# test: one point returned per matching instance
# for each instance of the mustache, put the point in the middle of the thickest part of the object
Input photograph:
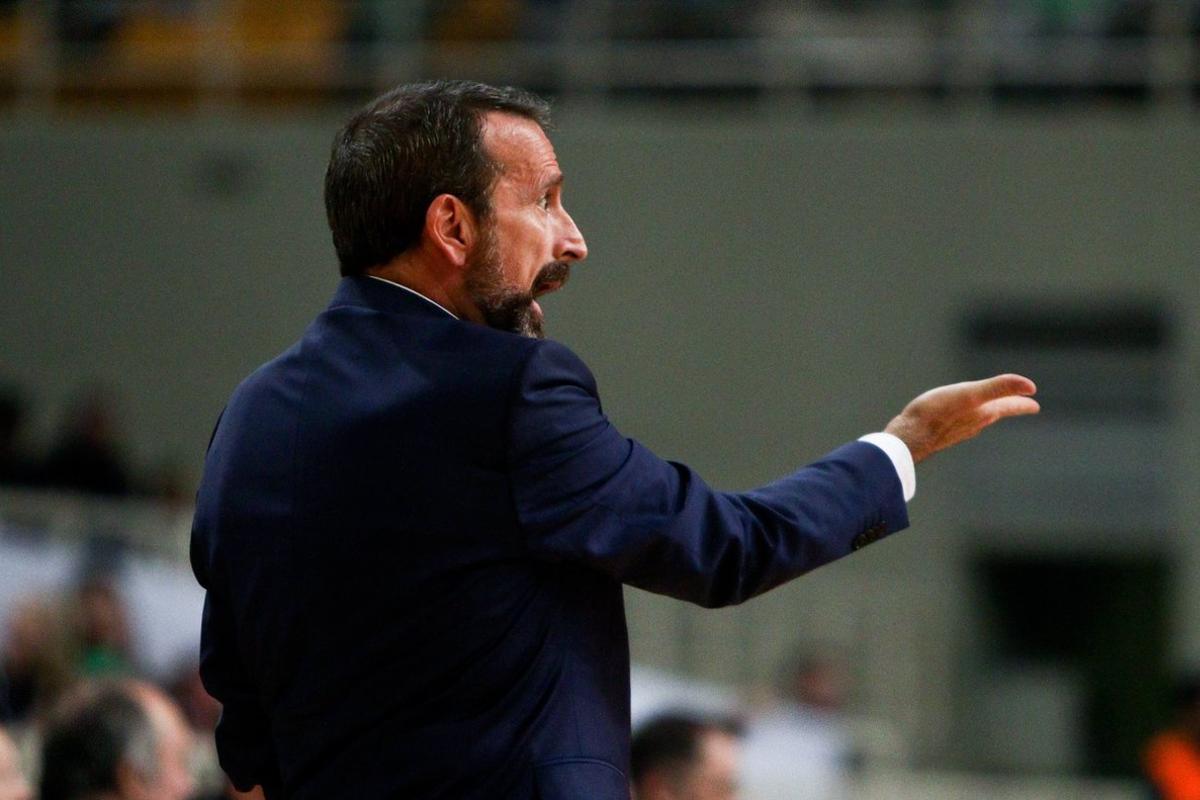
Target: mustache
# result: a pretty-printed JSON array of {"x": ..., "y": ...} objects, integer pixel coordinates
[{"x": 553, "y": 275}]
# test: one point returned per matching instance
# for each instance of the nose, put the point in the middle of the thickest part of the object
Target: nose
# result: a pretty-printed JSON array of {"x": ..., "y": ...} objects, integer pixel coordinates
[{"x": 571, "y": 246}]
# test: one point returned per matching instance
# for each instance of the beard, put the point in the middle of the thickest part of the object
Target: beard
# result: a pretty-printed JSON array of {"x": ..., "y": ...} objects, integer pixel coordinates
[{"x": 505, "y": 307}]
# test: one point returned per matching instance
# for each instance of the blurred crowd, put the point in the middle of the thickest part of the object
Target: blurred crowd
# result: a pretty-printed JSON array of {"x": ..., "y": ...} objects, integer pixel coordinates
[
  {"x": 808, "y": 744},
  {"x": 85, "y": 455},
  {"x": 83, "y": 715},
  {"x": 325, "y": 49},
  {"x": 98, "y": 21},
  {"x": 80, "y": 718},
  {"x": 803, "y": 738}
]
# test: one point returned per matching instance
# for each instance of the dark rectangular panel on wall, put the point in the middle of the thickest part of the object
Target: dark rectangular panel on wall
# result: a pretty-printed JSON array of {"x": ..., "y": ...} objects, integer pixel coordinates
[
  {"x": 1115, "y": 326},
  {"x": 1102, "y": 359},
  {"x": 1094, "y": 464},
  {"x": 1103, "y": 622}
]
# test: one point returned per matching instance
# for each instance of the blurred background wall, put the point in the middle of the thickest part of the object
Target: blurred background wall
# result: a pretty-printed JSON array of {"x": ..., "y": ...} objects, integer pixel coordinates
[{"x": 781, "y": 256}]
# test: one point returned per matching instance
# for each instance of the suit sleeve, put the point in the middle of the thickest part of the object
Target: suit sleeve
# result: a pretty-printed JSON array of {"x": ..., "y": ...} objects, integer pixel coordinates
[
  {"x": 244, "y": 742},
  {"x": 585, "y": 494}
]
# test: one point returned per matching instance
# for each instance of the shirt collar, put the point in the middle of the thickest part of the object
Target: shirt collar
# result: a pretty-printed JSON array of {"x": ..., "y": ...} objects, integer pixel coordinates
[{"x": 413, "y": 291}]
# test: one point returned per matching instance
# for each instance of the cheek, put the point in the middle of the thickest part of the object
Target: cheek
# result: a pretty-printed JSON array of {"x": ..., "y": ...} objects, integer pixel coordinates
[
  {"x": 524, "y": 246},
  {"x": 535, "y": 238}
]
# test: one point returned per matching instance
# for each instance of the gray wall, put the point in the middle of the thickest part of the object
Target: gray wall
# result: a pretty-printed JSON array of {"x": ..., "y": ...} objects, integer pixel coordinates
[{"x": 757, "y": 293}]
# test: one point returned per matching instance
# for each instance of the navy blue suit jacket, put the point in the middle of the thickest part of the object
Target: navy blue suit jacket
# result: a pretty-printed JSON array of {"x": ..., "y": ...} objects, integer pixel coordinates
[{"x": 413, "y": 532}]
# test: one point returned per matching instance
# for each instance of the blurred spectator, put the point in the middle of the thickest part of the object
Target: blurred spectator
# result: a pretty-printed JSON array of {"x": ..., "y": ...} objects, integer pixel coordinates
[
  {"x": 15, "y": 467},
  {"x": 36, "y": 666},
  {"x": 202, "y": 713},
  {"x": 198, "y": 706},
  {"x": 1172, "y": 758},
  {"x": 654, "y": 691},
  {"x": 684, "y": 757},
  {"x": 12, "y": 783},
  {"x": 802, "y": 749},
  {"x": 104, "y": 640},
  {"x": 86, "y": 457},
  {"x": 124, "y": 741}
]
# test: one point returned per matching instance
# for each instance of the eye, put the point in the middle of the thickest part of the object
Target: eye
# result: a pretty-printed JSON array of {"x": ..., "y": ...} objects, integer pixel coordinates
[{"x": 544, "y": 202}]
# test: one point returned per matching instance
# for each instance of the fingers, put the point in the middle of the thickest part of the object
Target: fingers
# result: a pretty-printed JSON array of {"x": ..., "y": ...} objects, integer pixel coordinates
[
  {"x": 1009, "y": 407},
  {"x": 1004, "y": 386}
]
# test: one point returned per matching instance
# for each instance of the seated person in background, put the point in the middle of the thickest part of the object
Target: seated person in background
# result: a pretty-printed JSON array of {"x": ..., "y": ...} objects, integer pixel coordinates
[
  {"x": 1172, "y": 759},
  {"x": 12, "y": 783},
  {"x": 802, "y": 748},
  {"x": 202, "y": 713},
  {"x": 35, "y": 666},
  {"x": 104, "y": 637},
  {"x": 118, "y": 741},
  {"x": 685, "y": 757},
  {"x": 87, "y": 457}
]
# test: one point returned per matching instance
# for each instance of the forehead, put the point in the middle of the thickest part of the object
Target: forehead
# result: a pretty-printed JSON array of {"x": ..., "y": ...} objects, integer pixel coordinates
[{"x": 519, "y": 146}]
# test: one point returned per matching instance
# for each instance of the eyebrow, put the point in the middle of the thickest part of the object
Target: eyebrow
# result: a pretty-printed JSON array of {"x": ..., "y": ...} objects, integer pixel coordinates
[{"x": 555, "y": 179}]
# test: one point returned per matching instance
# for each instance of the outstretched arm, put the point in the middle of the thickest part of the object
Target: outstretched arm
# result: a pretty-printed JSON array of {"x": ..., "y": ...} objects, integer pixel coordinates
[
  {"x": 584, "y": 493},
  {"x": 587, "y": 495}
]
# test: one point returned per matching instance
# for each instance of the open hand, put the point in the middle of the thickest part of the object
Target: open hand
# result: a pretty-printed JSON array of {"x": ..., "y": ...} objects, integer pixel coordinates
[{"x": 947, "y": 415}]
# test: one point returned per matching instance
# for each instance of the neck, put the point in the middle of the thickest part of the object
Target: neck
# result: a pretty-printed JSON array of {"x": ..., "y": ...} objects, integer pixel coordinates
[{"x": 444, "y": 288}]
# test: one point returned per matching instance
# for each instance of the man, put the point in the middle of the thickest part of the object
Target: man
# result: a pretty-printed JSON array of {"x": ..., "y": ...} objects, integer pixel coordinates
[
  {"x": 116, "y": 741},
  {"x": 414, "y": 525},
  {"x": 802, "y": 748},
  {"x": 683, "y": 757}
]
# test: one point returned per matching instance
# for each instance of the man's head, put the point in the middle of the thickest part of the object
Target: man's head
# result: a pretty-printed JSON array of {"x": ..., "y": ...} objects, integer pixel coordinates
[
  {"x": 454, "y": 189},
  {"x": 817, "y": 678},
  {"x": 683, "y": 757},
  {"x": 12, "y": 782},
  {"x": 103, "y": 619},
  {"x": 118, "y": 741}
]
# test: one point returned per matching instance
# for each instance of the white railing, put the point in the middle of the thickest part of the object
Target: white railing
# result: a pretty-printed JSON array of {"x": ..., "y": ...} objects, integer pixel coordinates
[{"x": 148, "y": 526}]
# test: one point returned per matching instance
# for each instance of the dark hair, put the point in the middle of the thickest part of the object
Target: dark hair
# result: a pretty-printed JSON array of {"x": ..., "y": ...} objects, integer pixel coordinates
[
  {"x": 404, "y": 149},
  {"x": 93, "y": 733},
  {"x": 672, "y": 740}
]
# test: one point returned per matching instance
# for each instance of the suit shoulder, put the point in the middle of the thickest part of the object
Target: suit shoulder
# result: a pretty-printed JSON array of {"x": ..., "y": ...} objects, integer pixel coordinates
[
  {"x": 510, "y": 358},
  {"x": 548, "y": 360}
]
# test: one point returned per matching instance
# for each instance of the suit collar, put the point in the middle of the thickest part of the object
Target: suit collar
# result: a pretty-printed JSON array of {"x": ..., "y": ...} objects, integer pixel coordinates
[{"x": 381, "y": 295}]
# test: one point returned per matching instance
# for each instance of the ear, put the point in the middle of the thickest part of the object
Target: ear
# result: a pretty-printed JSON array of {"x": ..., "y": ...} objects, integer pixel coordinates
[{"x": 451, "y": 229}]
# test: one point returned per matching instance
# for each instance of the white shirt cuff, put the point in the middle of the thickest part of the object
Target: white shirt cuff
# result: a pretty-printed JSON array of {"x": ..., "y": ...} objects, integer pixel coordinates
[{"x": 897, "y": 451}]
